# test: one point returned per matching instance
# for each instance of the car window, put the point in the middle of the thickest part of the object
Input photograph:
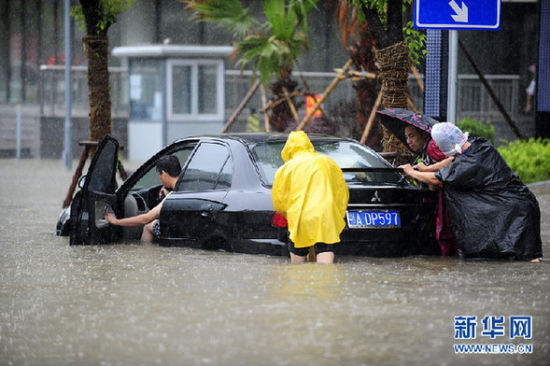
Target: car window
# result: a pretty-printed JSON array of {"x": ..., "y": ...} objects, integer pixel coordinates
[
  {"x": 100, "y": 179},
  {"x": 225, "y": 177},
  {"x": 151, "y": 178},
  {"x": 347, "y": 154},
  {"x": 209, "y": 169}
]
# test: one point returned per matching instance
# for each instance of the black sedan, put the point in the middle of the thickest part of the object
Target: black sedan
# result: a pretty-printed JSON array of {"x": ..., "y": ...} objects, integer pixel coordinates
[{"x": 222, "y": 199}]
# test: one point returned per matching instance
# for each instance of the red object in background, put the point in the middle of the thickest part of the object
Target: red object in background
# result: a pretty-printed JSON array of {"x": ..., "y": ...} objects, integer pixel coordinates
[
  {"x": 311, "y": 101},
  {"x": 279, "y": 220},
  {"x": 56, "y": 60}
]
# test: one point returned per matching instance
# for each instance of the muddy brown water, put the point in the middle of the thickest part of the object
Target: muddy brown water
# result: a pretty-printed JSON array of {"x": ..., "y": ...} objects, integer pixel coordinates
[{"x": 134, "y": 304}]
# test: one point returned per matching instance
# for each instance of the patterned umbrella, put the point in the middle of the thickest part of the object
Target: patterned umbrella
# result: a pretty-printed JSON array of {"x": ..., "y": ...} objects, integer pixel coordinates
[{"x": 396, "y": 119}]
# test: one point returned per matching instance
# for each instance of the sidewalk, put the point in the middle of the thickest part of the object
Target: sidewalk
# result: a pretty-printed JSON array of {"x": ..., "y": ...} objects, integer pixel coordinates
[{"x": 540, "y": 187}]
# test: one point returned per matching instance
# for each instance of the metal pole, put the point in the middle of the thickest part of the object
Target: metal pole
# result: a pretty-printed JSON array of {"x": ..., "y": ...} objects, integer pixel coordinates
[
  {"x": 67, "y": 153},
  {"x": 18, "y": 134},
  {"x": 163, "y": 113},
  {"x": 453, "y": 70}
]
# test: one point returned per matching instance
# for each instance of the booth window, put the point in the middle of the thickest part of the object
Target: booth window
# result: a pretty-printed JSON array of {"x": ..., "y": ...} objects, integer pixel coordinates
[
  {"x": 195, "y": 90},
  {"x": 145, "y": 90}
]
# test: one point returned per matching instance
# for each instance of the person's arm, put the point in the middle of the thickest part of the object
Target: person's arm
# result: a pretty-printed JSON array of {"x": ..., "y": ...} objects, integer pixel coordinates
[
  {"x": 138, "y": 220},
  {"x": 425, "y": 177},
  {"x": 434, "y": 167}
]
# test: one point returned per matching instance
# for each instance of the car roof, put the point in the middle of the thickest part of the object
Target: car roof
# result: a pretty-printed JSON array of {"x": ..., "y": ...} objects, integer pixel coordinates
[{"x": 253, "y": 138}]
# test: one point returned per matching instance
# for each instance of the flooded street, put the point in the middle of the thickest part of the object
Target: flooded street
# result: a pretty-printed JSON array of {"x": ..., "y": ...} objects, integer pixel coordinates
[{"x": 144, "y": 304}]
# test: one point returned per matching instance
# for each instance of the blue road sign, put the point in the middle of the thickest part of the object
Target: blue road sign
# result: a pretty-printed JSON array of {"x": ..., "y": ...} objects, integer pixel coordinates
[{"x": 457, "y": 14}]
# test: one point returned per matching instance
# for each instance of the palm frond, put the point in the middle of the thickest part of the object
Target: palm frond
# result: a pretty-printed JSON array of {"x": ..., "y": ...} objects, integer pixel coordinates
[
  {"x": 268, "y": 56},
  {"x": 227, "y": 14},
  {"x": 302, "y": 8},
  {"x": 281, "y": 21}
]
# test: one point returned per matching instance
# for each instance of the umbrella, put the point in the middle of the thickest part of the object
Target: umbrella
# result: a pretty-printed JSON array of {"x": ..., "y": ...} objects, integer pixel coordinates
[{"x": 396, "y": 119}]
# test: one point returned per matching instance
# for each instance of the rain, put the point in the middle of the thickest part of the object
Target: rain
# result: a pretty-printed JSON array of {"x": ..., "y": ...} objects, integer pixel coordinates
[{"x": 144, "y": 304}]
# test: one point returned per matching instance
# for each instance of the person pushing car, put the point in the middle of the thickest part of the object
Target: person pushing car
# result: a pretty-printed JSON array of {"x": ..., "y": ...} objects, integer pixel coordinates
[
  {"x": 492, "y": 213},
  {"x": 310, "y": 191}
]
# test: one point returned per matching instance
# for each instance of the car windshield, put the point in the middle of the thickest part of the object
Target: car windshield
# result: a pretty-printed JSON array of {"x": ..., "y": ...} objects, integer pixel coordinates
[{"x": 347, "y": 154}]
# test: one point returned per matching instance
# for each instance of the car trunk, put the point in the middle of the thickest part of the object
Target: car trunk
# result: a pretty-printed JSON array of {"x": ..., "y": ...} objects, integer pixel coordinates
[{"x": 412, "y": 234}]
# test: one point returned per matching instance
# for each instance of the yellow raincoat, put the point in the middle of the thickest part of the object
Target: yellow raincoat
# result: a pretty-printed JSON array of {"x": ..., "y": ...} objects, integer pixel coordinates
[{"x": 310, "y": 191}]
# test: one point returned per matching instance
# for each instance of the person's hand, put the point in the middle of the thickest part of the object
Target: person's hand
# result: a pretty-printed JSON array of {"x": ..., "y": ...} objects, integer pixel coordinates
[
  {"x": 111, "y": 218},
  {"x": 421, "y": 167},
  {"x": 163, "y": 192},
  {"x": 407, "y": 169}
]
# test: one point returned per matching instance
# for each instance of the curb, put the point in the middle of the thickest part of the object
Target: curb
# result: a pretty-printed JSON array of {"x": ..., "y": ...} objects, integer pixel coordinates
[{"x": 540, "y": 187}]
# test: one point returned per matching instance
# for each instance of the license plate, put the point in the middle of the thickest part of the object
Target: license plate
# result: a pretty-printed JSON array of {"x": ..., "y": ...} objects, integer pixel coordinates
[{"x": 385, "y": 219}]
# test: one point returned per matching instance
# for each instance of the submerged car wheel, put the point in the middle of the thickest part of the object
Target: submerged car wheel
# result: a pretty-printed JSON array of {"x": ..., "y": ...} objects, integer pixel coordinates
[{"x": 215, "y": 243}]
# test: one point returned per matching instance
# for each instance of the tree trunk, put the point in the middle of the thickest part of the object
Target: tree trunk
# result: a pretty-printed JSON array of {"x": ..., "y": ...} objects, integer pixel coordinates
[
  {"x": 281, "y": 115},
  {"x": 364, "y": 59},
  {"x": 393, "y": 61},
  {"x": 96, "y": 49}
]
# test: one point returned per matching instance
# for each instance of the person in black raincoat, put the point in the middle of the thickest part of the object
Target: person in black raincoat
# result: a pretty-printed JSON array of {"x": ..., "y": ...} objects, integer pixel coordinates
[{"x": 492, "y": 213}]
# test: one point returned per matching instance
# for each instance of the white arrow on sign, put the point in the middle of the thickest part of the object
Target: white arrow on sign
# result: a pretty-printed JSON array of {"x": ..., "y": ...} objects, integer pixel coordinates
[{"x": 461, "y": 13}]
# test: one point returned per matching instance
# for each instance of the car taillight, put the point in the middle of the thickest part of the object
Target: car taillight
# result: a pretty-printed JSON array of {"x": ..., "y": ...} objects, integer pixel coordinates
[{"x": 278, "y": 220}]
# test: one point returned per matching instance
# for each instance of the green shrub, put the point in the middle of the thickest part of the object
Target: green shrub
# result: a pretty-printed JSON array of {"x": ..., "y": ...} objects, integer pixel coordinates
[
  {"x": 529, "y": 159},
  {"x": 477, "y": 128}
]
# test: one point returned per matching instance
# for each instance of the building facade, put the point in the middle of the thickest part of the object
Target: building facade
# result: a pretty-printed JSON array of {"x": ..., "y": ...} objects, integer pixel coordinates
[{"x": 32, "y": 57}]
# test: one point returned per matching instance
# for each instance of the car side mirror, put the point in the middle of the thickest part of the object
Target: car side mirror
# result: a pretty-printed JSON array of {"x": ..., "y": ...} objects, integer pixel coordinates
[{"x": 81, "y": 182}]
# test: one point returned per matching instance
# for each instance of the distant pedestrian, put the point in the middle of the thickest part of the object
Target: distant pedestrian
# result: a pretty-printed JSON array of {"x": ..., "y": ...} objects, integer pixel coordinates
[
  {"x": 310, "y": 191},
  {"x": 530, "y": 91},
  {"x": 492, "y": 213}
]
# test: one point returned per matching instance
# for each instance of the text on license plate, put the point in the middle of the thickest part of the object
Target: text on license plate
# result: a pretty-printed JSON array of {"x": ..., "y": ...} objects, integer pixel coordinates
[{"x": 373, "y": 219}]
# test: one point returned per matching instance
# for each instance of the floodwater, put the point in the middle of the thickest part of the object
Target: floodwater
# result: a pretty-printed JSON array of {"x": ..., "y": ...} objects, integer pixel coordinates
[{"x": 136, "y": 304}]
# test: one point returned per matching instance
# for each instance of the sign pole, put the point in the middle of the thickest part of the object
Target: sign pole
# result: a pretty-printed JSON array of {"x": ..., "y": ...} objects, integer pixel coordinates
[
  {"x": 452, "y": 78},
  {"x": 67, "y": 140}
]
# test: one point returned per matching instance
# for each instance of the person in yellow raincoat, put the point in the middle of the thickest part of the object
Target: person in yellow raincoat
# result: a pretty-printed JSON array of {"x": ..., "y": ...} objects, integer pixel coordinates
[{"x": 310, "y": 191}]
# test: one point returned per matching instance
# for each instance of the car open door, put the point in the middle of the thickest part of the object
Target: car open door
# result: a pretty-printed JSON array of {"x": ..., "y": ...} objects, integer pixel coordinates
[{"x": 96, "y": 197}]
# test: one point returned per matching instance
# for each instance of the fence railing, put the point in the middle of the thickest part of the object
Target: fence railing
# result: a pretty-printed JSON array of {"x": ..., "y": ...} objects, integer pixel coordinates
[
  {"x": 52, "y": 90},
  {"x": 473, "y": 99}
]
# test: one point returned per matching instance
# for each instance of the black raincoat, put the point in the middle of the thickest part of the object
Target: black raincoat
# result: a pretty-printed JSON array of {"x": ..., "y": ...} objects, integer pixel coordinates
[{"x": 492, "y": 213}]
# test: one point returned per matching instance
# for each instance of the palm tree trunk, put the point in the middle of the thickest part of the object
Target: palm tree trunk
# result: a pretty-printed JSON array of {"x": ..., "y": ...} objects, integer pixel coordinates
[
  {"x": 394, "y": 66},
  {"x": 393, "y": 61},
  {"x": 281, "y": 117},
  {"x": 96, "y": 49},
  {"x": 364, "y": 59}
]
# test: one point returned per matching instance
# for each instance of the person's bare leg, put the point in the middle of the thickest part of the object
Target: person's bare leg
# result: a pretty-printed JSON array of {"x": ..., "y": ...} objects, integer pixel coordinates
[
  {"x": 296, "y": 258},
  {"x": 536, "y": 260},
  {"x": 147, "y": 234},
  {"x": 325, "y": 257}
]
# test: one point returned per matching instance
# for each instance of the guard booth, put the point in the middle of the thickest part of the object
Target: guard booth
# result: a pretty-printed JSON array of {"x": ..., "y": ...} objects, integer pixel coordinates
[{"x": 174, "y": 91}]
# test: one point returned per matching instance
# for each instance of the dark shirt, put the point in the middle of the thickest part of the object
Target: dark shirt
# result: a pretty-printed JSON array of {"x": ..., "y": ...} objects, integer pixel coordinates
[{"x": 492, "y": 213}]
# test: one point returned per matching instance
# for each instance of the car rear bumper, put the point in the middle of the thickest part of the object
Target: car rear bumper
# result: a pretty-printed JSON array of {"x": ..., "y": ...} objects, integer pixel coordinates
[{"x": 273, "y": 247}]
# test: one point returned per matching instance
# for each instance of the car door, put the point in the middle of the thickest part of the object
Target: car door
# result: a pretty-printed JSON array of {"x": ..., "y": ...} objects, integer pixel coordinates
[
  {"x": 96, "y": 197},
  {"x": 189, "y": 214}
]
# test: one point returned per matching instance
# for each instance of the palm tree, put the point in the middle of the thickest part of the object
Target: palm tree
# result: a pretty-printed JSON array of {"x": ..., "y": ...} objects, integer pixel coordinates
[
  {"x": 392, "y": 57},
  {"x": 271, "y": 47},
  {"x": 97, "y": 16},
  {"x": 361, "y": 52}
]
